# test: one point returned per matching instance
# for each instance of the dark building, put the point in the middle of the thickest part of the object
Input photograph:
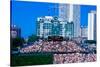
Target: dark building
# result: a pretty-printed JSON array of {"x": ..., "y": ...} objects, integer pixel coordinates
[{"x": 15, "y": 31}]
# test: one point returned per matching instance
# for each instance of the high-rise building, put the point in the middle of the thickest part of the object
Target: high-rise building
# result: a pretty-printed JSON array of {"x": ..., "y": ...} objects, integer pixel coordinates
[
  {"x": 92, "y": 25},
  {"x": 44, "y": 26},
  {"x": 84, "y": 31},
  {"x": 15, "y": 31},
  {"x": 63, "y": 11},
  {"x": 70, "y": 29},
  {"x": 54, "y": 26},
  {"x": 71, "y": 13}
]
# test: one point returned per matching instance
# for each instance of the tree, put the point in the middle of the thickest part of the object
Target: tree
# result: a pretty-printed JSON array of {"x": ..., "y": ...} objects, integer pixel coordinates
[
  {"x": 17, "y": 42},
  {"x": 90, "y": 41},
  {"x": 32, "y": 38}
]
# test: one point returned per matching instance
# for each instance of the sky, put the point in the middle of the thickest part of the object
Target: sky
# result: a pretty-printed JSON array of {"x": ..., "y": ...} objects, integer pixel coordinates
[{"x": 24, "y": 14}]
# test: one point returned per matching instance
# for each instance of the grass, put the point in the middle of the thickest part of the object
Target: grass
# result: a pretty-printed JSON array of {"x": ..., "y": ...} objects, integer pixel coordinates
[{"x": 33, "y": 59}]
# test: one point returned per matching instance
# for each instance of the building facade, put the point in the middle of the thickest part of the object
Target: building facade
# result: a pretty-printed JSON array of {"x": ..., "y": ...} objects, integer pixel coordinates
[
  {"x": 54, "y": 26},
  {"x": 71, "y": 13},
  {"x": 92, "y": 25},
  {"x": 15, "y": 31},
  {"x": 84, "y": 31}
]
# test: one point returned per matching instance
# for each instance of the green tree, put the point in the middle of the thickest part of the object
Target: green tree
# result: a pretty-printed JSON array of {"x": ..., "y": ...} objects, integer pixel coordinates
[
  {"x": 32, "y": 38},
  {"x": 90, "y": 41},
  {"x": 17, "y": 42}
]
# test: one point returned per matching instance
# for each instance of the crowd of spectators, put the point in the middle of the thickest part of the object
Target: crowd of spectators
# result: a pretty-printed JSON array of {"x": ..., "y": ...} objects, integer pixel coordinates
[
  {"x": 63, "y": 46},
  {"x": 74, "y": 58},
  {"x": 52, "y": 46}
]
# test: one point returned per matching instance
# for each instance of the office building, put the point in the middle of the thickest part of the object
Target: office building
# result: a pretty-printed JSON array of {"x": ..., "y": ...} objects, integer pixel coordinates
[
  {"x": 71, "y": 13},
  {"x": 84, "y": 31},
  {"x": 54, "y": 26},
  {"x": 92, "y": 25},
  {"x": 15, "y": 31}
]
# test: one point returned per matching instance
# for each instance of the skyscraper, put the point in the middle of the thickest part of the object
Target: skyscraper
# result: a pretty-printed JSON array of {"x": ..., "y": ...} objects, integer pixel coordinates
[
  {"x": 92, "y": 25},
  {"x": 71, "y": 13}
]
